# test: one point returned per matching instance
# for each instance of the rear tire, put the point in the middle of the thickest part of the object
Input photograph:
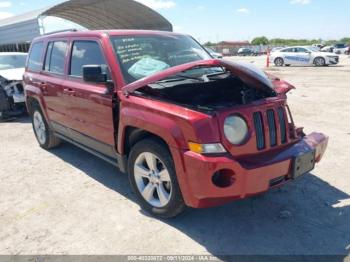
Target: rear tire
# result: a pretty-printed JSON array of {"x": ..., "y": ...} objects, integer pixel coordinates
[
  {"x": 153, "y": 178},
  {"x": 319, "y": 61},
  {"x": 279, "y": 62},
  {"x": 42, "y": 131}
]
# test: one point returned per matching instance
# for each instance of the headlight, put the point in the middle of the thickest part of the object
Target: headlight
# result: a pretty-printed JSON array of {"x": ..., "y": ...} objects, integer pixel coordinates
[{"x": 236, "y": 130}]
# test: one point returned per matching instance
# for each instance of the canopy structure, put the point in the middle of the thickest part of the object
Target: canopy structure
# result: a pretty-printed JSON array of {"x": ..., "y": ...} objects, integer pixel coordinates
[
  {"x": 110, "y": 14},
  {"x": 90, "y": 14}
]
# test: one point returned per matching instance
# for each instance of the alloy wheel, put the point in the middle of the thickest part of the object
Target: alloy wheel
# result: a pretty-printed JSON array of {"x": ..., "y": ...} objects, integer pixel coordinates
[
  {"x": 39, "y": 127},
  {"x": 153, "y": 180}
]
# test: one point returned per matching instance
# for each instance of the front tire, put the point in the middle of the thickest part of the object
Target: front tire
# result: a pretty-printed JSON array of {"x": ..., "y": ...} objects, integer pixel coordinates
[
  {"x": 279, "y": 62},
  {"x": 319, "y": 61},
  {"x": 153, "y": 178},
  {"x": 42, "y": 131}
]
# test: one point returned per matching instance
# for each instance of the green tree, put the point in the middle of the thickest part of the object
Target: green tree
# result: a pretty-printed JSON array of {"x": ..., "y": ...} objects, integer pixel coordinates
[
  {"x": 262, "y": 40},
  {"x": 345, "y": 40},
  {"x": 209, "y": 44}
]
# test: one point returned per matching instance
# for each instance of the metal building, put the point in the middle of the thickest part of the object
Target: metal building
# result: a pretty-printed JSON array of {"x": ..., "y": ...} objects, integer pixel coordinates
[{"x": 17, "y": 32}]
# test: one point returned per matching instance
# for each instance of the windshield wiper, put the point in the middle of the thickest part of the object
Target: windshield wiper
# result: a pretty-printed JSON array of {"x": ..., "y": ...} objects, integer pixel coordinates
[
  {"x": 180, "y": 77},
  {"x": 203, "y": 78}
]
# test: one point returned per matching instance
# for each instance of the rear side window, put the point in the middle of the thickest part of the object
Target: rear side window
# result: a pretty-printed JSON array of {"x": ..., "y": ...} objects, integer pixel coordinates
[
  {"x": 34, "y": 60},
  {"x": 85, "y": 53},
  {"x": 55, "y": 57},
  {"x": 289, "y": 50},
  {"x": 301, "y": 50}
]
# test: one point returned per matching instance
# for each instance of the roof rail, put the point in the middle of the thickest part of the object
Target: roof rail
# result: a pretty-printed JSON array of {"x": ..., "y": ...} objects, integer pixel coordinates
[{"x": 62, "y": 31}]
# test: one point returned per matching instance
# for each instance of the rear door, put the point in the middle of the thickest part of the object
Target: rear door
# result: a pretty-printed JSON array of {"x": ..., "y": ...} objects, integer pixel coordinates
[
  {"x": 89, "y": 106},
  {"x": 289, "y": 56},
  {"x": 52, "y": 78}
]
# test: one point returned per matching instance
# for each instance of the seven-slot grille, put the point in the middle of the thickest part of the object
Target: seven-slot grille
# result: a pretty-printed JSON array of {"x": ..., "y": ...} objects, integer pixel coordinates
[{"x": 276, "y": 127}]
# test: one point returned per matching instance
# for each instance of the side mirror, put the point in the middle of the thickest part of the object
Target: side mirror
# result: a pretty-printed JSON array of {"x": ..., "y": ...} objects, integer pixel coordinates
[
  {"x": 97, "y": 74},
  {"x": 94, "y": 74}
]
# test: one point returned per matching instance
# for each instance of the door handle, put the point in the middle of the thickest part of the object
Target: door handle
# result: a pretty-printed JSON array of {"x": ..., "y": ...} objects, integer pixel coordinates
[{"x": 69, "y": 91}]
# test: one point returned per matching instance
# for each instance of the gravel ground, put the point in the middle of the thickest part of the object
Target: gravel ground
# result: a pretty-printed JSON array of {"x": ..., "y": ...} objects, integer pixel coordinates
[{"x": 68, "y": 202}]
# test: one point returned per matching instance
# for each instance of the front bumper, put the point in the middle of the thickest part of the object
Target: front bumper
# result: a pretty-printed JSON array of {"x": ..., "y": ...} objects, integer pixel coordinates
[
  {"x": 333, "y": 60},
  {"x": 253, "y": 175}
]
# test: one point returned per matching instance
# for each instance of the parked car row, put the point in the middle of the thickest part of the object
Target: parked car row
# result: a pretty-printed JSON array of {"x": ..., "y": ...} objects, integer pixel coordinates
[{"x": 339, "y": 49}]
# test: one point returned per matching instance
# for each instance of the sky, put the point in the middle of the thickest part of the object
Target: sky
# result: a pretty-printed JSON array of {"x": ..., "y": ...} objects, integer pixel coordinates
[{"x": 217, "y": 20}]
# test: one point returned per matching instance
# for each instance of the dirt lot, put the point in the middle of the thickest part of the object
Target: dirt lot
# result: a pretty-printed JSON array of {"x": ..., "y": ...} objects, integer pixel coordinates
[{"x": 69, "y": 202}]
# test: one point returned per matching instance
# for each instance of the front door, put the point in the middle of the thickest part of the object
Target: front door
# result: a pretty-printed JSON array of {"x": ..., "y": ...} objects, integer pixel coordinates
[
  {"x": 89, "y": 107},
  {"x": 304, "y": 56}
]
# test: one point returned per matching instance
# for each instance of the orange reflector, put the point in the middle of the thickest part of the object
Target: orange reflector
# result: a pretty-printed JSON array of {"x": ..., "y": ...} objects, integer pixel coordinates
[{"x": 196, "y": 148}]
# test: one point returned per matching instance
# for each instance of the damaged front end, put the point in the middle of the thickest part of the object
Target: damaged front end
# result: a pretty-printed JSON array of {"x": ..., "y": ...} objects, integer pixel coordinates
[
  {"x": 12, "y": 99},
  {"x": 210, "y": 85}
]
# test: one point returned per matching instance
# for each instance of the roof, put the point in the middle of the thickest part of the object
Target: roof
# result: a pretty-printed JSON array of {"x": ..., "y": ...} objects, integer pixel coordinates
[
  {"x": 90, "y": 14},
  {"x": 22, "y": 18},
  {"x": 110, "y": 14},
  {"x": 99, "y": 33}
]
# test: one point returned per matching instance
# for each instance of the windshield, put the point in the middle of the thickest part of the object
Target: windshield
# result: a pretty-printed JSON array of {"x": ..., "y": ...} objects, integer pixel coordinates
[
  {"x": 210, "y": 50},
  {"x": 12, "y": 61},
  {"x": 142, "y": 56}
]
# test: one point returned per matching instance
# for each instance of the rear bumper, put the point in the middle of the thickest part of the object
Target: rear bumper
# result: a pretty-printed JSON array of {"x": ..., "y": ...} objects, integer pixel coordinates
[{"x": 253, "y": 175}]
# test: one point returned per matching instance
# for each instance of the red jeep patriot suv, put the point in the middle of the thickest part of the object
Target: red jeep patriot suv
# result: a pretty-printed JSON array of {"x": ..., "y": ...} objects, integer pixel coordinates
[{"x": 188, "y": 129}]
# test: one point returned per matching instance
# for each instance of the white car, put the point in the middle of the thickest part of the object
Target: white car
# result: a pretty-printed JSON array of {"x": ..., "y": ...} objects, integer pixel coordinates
[
  {"x": 327, "y": 48},
  {"x": 341, "y": 49},
  {"x": 303, "y": 56},
  {"x": 12, "y": 100}
]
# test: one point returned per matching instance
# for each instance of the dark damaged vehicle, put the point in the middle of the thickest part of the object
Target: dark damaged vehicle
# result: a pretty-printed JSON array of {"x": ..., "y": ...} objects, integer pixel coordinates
[
  {"x": 12, "y": 101},
  {"x": 189, "y": 130}
]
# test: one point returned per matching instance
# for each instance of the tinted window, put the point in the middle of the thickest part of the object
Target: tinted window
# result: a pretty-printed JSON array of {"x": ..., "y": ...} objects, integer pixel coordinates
[
  {"x": 34, "y": 61},
  {"x": 85, "y": 53},
  {"x": 55, "y": 55},
  {"x": 340, "y": 45},
  {"x": 141, "y": 56},
  {"x": 48, "y": 57},
  {"x": 288, "y": 50},
  {"x": 301, "y": 50}
]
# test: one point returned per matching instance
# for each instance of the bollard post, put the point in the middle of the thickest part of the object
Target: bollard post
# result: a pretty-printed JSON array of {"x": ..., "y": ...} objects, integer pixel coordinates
[{"x": 268, "y": 58}]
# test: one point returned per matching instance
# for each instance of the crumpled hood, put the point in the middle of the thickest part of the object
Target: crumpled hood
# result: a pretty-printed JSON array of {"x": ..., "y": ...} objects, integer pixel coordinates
[
  {"x": 12, "y": 74},
  {"x": 249, "y": 74}
]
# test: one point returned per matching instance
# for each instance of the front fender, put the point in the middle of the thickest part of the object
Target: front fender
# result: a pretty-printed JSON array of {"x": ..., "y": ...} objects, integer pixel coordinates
[{"x": 157, "y": 124}]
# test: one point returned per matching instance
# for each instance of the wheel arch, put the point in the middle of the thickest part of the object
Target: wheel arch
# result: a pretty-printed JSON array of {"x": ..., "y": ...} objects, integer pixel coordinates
[
  {"x": 133, "y": 135},
  {"x": 279, "y": 57},
  {"x": 35, "y": 95},
  {"x": 31, "y": 102},
  {"x": 167, "y": 132},
  {"x": 317, "y": 57}
]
